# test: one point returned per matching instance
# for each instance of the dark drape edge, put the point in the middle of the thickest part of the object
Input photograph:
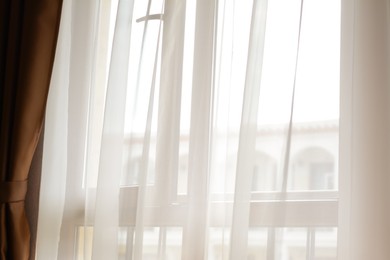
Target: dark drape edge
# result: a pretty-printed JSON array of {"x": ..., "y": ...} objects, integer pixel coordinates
[{"x": 28, "y": 31}]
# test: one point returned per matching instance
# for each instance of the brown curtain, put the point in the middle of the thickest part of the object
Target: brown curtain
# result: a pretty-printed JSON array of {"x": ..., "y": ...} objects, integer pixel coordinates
[{"x": 28, "y": 35}]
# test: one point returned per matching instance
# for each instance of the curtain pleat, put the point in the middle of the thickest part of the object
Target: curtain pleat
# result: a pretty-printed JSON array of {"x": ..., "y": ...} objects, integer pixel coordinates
[
  {"x": 364, "y": 155},
  {"x": 28, "y": 33},
  {"x": 248, "y": 131}
]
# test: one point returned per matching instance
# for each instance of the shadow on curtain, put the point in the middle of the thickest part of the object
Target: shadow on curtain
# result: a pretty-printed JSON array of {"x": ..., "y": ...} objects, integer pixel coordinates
[{"x": 28, "y": 35}]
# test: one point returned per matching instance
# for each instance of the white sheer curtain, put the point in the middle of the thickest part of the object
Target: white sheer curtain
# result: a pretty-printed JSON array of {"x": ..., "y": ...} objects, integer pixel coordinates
[{"x": 209, "y": 129}]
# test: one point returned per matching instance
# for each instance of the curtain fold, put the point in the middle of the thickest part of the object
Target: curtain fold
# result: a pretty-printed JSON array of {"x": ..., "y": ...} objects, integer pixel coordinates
[
  {"x": 364, "y": 154},
  {"x": 247, "y": 147},
  {"x": 28, "y": 31}
]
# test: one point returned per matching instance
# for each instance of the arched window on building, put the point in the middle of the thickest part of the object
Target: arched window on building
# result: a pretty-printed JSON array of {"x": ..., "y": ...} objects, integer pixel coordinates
[
  {"x": 132, "y": 168},
  {"x": 264, "y": 172},
  {"x": 312, "y": 168}
]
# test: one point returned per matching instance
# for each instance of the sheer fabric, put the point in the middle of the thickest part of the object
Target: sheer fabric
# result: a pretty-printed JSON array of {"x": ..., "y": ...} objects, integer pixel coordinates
[{"x": 206, "y": 129}]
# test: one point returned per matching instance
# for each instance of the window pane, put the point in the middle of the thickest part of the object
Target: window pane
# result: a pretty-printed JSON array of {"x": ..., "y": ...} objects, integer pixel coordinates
[
  {"x": 151, "y": 243},
  {"x": 326, "y": 243},
  {"x": 219, "y": 241},
  {"x": 84, "y": 243},
  {"x": 313, "y": 154},
  {"x": 290, "y": 243},
  {"x": 257, "y": 244},
  {"x": 174, "y": 236}
]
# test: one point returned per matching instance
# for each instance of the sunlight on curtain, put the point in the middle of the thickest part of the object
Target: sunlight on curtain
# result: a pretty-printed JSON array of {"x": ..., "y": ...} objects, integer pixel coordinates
[{"x": 197, "y": 129}]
